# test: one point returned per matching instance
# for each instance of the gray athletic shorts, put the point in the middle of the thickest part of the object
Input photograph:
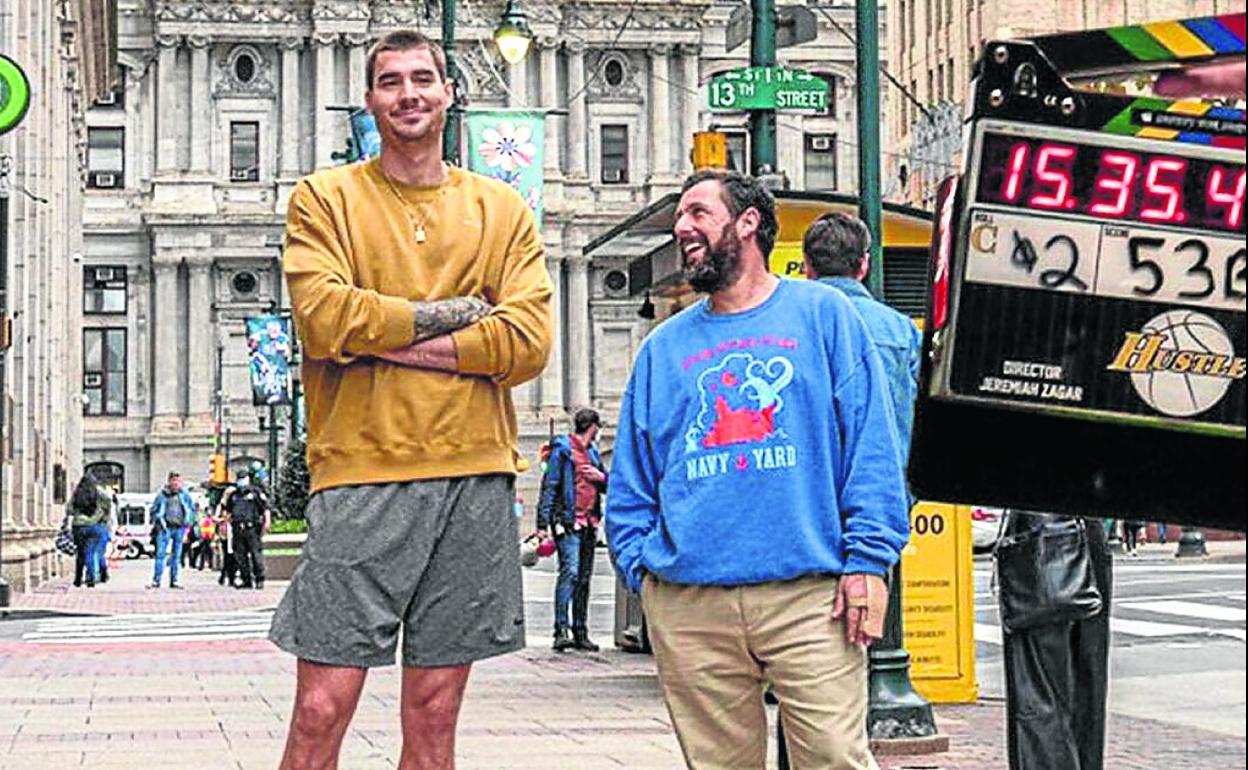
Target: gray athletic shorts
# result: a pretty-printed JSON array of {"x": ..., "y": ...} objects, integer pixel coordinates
[{"x": 440, "y": 558}]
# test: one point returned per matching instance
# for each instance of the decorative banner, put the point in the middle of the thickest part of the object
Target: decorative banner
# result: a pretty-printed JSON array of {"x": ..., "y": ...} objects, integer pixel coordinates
[
  {"x": 508, "y": 145},
  {"x": 269, "y": 352},
  {"x": 365, "y": 141},
  {"x": 14, "y": 94}
]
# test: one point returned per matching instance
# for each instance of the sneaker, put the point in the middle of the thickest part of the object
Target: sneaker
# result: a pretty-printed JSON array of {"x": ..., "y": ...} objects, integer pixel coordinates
[
  {"x": 563, "y": 640},
  {"x": 581, "y": 641},
  {"x": 176, "y": 585},
  {"x": 153, "y": 585}
]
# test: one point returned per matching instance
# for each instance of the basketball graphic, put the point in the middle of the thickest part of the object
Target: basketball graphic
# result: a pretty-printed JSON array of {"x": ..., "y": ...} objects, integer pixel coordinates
[{"x": 1184, "y": 393}]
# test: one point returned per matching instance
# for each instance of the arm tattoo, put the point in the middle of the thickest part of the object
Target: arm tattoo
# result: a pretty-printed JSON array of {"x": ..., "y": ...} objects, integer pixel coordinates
[{"x": 443, "y": 316}]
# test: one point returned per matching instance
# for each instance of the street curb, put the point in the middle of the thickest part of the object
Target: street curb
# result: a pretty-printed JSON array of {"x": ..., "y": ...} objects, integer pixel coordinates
[{"x": 908, "y": 747}]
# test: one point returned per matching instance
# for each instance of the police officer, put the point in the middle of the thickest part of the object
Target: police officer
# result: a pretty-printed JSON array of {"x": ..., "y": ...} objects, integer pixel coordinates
[{"x": 250, "y": 517}]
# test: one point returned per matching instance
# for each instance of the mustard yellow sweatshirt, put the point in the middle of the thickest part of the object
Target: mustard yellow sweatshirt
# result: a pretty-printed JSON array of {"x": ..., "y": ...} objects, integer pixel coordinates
[{"x": 354, "y": 266}]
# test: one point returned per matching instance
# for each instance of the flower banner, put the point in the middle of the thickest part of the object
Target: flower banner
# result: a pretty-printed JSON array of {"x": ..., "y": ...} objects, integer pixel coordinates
[
  {"x": 507, "y": 145},
  {"x": 268, "y": 359}
]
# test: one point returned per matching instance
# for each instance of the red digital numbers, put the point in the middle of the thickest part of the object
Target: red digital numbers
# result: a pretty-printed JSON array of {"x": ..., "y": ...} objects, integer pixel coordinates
[
  {"x": 1116, "y": 180},
  {"x": 1112, "y": 183},
  {"x": 1163, "y": 190},
  {"x": 1014, "y": 179},
  {"x": 1054, "y": 178},
  {"x": 1226, "y": 192}
]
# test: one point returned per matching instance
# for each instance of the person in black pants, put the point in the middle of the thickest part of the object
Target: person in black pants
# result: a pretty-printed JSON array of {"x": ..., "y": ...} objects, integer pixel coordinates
[
  {"x": 250, "y": 517},
  {"x": 1056, "y": 676}
]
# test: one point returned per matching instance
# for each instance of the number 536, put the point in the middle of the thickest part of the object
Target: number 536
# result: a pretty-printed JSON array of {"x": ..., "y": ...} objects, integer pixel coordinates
[{"x": 1186, "y": 269}]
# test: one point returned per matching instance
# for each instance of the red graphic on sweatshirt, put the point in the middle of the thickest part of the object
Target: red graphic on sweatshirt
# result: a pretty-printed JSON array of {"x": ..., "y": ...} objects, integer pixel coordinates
[{"x": 739, "y": 426}]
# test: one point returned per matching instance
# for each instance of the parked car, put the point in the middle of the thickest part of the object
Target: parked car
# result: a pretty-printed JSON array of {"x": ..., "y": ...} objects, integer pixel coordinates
[{"x": 985, "y": 527}]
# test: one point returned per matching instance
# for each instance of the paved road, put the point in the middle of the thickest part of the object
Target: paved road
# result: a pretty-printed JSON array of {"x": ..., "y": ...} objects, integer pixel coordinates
[
  {"x": 82, "y": 689},
  {"x": 1178, "y": 643}
]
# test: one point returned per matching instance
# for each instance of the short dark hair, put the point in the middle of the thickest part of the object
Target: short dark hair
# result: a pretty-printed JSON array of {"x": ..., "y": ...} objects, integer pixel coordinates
[
  {"x": 741, "y": 192},
  {"x": 836, "y": 244},
  {"x": 404, "y": 40},
  {"x": 173, "y": 475},
  {"x": 585, "y": 418}
]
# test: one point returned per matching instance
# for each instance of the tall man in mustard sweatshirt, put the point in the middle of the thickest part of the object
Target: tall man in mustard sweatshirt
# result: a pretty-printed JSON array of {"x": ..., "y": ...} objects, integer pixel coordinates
[{"x": 421, "y": 295}]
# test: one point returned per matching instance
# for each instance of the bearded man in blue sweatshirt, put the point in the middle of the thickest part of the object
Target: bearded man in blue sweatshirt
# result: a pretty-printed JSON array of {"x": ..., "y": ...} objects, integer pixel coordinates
[{"x": 757, "y": 496}]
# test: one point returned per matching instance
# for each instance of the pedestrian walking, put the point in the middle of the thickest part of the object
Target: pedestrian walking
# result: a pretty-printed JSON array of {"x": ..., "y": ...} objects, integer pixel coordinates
[
  {"x": 250, "y": 518},
  {"x": 571, "y": 508},
  {"x": 760, "y": 415},
  {"x": 104, "y": 530},
  {"x": 422, "y": 299},
  {"x": 173, "y": 510},
  {"x": 86, "y": 513},
  {"x": 207, "y": 526}
]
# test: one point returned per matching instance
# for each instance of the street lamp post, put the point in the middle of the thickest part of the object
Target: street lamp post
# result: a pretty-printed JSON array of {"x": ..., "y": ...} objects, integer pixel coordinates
[{"x": 512, "y": 36}]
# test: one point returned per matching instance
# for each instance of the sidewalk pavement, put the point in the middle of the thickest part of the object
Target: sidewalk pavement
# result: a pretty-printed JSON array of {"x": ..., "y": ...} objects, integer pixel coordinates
[
  {"x": 1219, "y": 552},
  {"x": 225, "y": 704}
]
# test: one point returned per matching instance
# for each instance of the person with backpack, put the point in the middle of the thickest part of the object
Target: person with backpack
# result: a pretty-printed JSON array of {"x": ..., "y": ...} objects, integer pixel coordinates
[
  {"x": 173, "y": 510},
  {"x": 250, "y": 517},
  {"x": 85, "y": 514},
  {"x": 571, "y": 507}
]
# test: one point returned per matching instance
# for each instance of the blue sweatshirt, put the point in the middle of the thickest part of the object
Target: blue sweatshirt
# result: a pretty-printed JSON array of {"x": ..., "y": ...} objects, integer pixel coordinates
[{"x": 757, "y": 446}]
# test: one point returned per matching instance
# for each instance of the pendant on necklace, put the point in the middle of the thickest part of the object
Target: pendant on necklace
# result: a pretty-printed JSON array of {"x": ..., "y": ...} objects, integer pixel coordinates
[{"x": 420, "y": 233}]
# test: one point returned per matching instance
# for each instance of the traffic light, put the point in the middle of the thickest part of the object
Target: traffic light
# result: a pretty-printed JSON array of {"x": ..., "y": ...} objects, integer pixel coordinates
[
  {"x": 219, "y": 473},
  {"x": 710, "y": 150}
]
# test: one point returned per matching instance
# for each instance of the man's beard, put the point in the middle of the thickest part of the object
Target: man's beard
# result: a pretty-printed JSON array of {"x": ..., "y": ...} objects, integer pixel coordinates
[{"x": 720, "y": 266}]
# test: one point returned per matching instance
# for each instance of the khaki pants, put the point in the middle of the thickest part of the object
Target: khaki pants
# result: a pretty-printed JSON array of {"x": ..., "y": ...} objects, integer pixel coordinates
[{"x": 716, "y": 647}]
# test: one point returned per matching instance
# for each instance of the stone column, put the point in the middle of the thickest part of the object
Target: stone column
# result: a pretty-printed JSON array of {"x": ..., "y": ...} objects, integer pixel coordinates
[
  {"x": 167, "y": 104},
  {"x": 357, "y": 51},
  {"x": 552, "y": 375},
  {"x": 518, "y": 84},
  {"x": 579, "y": 353},
  {"x": 201, "y": 106},
  {"x": 326, "y": 129},
  {"x": 166, "y": 411},
  {"x": 578, "y": 124},
  {"x": 200, "y": 357},
  {"x": 691, "y": 99},
  {"x": 660, "y": 120},
  {"x": 550, "y": 101},
  {"x": 291, "y": 167}
]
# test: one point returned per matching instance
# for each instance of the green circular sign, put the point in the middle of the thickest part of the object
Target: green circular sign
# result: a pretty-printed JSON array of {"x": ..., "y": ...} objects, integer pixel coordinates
[{"x": 14, "y": 94}]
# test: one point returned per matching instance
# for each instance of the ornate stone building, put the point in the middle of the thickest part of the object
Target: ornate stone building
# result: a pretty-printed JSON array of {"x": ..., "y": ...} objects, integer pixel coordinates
[
  {"x": 224, "y": 105},
  {"x": 935, "y": 44},
  {"x": 66, "y": 52}
]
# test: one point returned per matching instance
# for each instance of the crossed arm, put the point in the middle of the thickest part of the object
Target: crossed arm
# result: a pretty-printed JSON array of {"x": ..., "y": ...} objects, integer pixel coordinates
[{"x": 432, "y": 345}]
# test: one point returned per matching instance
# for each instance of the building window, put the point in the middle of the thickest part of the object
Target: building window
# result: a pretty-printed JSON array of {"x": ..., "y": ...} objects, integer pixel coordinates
[
  {"x": 831, "y": 81},
  {"x": 245, "y": 152},
  {"x": 106, "y": 158},
  {"x": 820, "y": 159},
  {"x": 950, "y": 85},
  {"x": 615, "y": 154},
  {"x": 110, "y": 475},
  {"x": 940, "y": 81},
  {"x": 103, "y": 289},
  {"x": 738, "y": 151},
  {"x": 116, "y": 96},
  {"x": 104, "y": 371},
  {"x": 901, "y": 28}
]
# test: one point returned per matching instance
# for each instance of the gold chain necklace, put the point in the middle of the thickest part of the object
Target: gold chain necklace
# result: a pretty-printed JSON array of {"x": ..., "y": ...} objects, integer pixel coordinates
[{"x": 418, "y": 228}]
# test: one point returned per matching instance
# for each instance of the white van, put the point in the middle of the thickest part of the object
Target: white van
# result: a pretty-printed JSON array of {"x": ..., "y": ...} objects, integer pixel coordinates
[{"x": 134, "y": 525}]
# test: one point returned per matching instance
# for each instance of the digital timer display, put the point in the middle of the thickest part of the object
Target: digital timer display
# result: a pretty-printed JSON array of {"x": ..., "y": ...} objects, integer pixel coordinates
[{"x": 1111, "y": 183}]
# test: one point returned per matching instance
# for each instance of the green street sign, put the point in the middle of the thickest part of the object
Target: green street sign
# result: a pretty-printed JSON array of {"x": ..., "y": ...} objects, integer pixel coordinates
[
  {"x": 14, "y": 94},
  {"x": 768, "y": 88}
]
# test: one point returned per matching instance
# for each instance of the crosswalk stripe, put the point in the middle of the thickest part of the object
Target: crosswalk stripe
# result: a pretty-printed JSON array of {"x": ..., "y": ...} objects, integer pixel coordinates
[
  {"x": 1190, "y": 610},
  {"x": 989, "y": 634}
]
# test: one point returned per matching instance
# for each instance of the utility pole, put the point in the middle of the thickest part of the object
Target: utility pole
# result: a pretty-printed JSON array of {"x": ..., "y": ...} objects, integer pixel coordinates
[
  {"x": 895, "y": 710},
  {"x": 763, "y": 122},
  {"x": 450, "y": 133},
  {"x": 868, "y": 74}
]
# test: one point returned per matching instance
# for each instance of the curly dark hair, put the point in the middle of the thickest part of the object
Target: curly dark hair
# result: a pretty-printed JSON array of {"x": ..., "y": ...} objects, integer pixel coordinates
[{"x": 743, "y": 192}]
